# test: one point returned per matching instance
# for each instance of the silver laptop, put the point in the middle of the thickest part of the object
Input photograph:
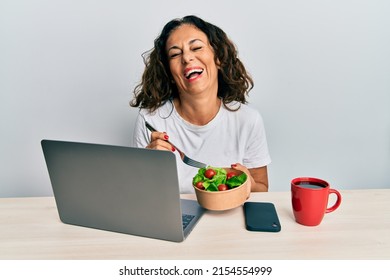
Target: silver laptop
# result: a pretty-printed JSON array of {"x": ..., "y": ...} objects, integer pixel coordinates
[{"x": 121, "y": 189}]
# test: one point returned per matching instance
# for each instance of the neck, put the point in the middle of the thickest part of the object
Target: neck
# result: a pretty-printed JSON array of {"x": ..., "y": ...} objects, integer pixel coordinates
[{"x": 198, "y": 112}]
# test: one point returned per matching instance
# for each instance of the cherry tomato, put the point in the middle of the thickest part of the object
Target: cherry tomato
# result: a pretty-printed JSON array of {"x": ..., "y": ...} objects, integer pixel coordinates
[
  {"x": 199, "y": 185},
  {"x": 209, "y": 173},
  {"x": 223, "y": 187},
  {"x": 230, "y": 175}
]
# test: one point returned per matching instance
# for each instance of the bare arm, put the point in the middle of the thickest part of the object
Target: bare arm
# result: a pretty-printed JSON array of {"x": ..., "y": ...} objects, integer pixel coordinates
[{"x": 258, "y": 177}]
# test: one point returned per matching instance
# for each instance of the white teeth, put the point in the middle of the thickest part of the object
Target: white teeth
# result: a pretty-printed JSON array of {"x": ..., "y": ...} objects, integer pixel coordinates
[{"x": 189, "y": 73}]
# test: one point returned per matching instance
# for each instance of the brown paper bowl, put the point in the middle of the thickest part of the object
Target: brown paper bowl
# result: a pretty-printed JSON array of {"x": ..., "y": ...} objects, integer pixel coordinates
[{"x": 224, "y": 200}]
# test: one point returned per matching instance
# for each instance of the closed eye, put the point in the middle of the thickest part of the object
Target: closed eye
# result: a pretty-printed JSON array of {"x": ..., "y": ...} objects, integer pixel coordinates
[{"x": 174, "y": 54}]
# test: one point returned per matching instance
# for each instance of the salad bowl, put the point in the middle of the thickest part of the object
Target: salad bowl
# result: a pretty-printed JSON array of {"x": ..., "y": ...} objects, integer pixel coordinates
[{"x": 226, "y": 199}]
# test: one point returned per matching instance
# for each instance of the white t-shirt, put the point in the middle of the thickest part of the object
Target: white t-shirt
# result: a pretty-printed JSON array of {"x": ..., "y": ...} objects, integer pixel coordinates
[{"x": 231, "y": 137}]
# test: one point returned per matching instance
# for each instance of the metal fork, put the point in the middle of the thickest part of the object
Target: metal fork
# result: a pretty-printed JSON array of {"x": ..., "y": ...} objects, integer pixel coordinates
[{"x": 184, "y": 158}]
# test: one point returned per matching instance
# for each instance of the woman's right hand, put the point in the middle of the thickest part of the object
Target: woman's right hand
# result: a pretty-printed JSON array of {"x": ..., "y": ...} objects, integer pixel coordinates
[{"x": 159, "y": 141}]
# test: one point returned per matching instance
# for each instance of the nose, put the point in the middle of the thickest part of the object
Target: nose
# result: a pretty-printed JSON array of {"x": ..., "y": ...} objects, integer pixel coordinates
[{"x": 187, "y": 57}]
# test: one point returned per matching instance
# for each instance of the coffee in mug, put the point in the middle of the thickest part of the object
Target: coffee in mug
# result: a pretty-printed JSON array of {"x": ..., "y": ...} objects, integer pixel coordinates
[{"x": 309, "y": 198}]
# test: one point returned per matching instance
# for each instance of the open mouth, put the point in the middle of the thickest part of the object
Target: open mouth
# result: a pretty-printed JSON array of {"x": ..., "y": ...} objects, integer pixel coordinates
[{"x": 193, "y": 73}]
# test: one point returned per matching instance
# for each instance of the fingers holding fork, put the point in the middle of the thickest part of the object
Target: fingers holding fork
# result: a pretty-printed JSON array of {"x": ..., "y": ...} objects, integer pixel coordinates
[{"x": 159, "y": 141}]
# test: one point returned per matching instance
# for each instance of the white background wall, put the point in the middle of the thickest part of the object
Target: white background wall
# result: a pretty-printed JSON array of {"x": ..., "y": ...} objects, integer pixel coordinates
[{"x": 321, "y": 71}]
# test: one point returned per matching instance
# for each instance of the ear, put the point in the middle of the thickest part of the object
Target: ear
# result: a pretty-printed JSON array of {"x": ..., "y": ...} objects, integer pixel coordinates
[{"x": 218, "y": 63}]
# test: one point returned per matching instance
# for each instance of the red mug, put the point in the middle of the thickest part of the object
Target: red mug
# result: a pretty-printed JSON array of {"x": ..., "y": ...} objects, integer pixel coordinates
[{"x": 310, "y": 200}]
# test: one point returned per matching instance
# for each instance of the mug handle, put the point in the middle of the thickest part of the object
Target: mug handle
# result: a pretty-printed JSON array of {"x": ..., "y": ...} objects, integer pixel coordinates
[{"x": 337, "y": 203}]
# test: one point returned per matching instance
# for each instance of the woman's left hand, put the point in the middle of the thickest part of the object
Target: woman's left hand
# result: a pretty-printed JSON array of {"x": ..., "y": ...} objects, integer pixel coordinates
[{"x": 258, "y": 177}]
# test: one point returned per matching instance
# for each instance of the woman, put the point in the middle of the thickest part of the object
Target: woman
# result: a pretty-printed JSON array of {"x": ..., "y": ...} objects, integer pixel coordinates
[{"x": 193, "y": 91}]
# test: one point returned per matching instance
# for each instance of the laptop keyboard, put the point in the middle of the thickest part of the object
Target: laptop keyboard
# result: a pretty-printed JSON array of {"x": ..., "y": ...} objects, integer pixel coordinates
[{"x": 186, "y": 220}]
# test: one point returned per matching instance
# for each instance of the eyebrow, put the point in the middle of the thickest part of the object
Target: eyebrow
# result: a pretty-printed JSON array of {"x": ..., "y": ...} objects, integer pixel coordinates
[{"x": 190, "y": 43}]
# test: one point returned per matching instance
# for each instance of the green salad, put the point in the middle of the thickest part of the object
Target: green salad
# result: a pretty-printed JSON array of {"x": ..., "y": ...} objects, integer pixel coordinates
[{"x": 217, "y": 179}]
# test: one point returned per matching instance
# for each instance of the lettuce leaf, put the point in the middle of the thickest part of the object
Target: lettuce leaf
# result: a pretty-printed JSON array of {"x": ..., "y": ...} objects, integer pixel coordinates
[
  {"x": 236, "y": 181},
  {"x": 219, "y": 178}
]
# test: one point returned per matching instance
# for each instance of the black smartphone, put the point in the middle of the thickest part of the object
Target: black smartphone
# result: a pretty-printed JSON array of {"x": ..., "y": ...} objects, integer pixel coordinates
[{"x": 261, "y": 216}]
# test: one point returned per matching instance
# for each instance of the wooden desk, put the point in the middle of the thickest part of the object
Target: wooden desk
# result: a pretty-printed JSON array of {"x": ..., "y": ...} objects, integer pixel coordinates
[{"x": 359, "y": 229}]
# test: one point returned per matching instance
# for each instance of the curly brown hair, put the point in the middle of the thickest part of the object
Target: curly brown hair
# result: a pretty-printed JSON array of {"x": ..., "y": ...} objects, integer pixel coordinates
[{"x": 156, "y": 87}]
